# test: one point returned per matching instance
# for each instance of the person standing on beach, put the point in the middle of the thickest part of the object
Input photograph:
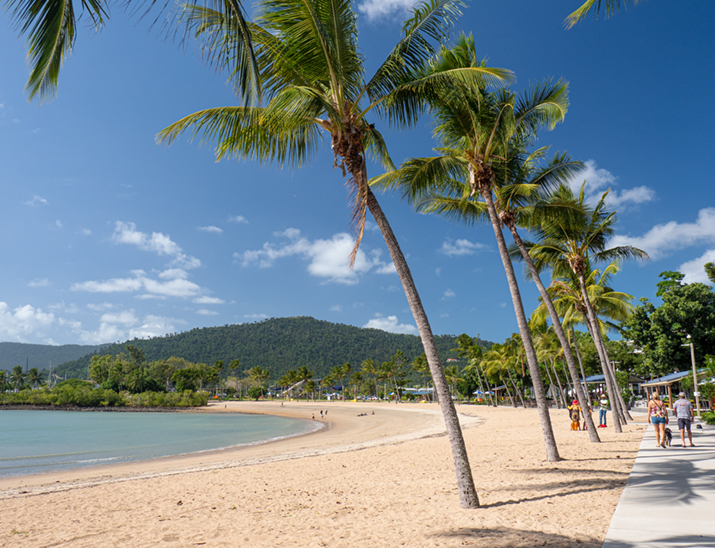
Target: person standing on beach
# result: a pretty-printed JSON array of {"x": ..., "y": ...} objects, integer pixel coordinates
[
  {"x": 683, "y": 410},
  {"x": 603, "y": 407},
  {"x": 658, "y": 415}
]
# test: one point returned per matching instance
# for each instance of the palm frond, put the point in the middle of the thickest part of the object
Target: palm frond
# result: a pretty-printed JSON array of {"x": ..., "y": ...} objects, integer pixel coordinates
[
  {"x": 50, "y": 30},
  {"x": 594, "y": 7}
]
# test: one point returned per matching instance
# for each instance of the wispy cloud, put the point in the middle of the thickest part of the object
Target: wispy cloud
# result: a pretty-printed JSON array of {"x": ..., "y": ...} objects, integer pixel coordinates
[
  {"x": 36, "y": 200},
  {"x": 391, "y": 325},
  {"x": 39, "y": 282},
  {"x": 460, "y": 247},
  {"x": 156, "y": 242},
  {"x": 238, "y": 219},
  {"x": 125, "y": 325},
  {"x": 173, "y": 285},
  {"x": 84, "y": 232},
  {"x": 208, "y": 300},
  {"x": 663, "y": 239},
  {"x": 206, "y": 312},
  {"x": 336, "y": 308},
  {"x": 329, "y": 259},
  {"x": 211, "y": 229},
  {"x": 448, "y": 294}
]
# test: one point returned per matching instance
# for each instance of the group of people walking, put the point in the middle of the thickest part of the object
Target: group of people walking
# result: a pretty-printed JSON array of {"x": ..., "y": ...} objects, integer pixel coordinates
[{"x": 658, "y": 417}]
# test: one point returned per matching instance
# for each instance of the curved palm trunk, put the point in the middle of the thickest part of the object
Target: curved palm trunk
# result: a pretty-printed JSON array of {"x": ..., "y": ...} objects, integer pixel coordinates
[
  {"x": 595, "y": 333},
  {"x": 516, "y": 388},
  {"x": 508, "y": 392},
  {"x": 552, "y": 452},
  {"x": 558, "y": 329},
  {"x": 557, "y": 399},
  {"x": 558, "y": 381},
  {"x": 465, "y": 482},
  {"x": 612, "y": 369},
  {"x": 578, "y": 355},
  {"x": 479, "y": 378}
]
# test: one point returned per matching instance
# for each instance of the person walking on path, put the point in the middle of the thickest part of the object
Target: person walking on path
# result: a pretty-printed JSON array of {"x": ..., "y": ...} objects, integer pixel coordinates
[
  {"x": 658, "y": 416},
  {"x": 602, "y": 408},
  {"x": 683, "y": 410}
]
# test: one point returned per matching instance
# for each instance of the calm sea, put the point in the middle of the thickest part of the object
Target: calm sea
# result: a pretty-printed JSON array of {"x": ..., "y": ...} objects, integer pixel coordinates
[{"x": 33, "y": 442}]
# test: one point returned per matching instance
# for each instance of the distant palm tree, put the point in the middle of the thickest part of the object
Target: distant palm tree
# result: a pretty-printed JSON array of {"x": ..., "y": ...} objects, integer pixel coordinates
[
  {"x": 569, "y": 244},
  {"x": 35, "y": 377},
  {"x": 368, "y": 368},
  {"x": 17, "y": 378},
  {"x": 3, "y": 380}
]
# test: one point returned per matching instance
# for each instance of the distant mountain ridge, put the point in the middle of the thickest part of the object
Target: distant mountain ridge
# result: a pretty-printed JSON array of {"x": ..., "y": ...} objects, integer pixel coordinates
[
  {"x": 41, "y": 355},
  {"x": 276, "y": 344}
]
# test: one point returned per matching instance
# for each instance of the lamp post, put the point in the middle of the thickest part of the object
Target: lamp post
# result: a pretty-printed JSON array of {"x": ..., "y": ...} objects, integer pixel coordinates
[{"x": 695, "y": 376}]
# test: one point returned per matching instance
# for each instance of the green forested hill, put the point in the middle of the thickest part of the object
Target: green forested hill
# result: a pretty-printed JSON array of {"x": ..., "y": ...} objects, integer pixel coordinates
[
  {"x": 40, "y": 355},
  {"x": 277, "y": 344}
]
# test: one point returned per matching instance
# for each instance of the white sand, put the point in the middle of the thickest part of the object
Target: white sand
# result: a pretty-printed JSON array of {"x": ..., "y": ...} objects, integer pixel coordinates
[{"x": 380, "y": 480}]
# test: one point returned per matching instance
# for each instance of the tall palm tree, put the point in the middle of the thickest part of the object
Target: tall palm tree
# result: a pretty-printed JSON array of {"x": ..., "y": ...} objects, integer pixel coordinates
[
  {"x": 368, "y": 368},
  {"x": 313, "y": 81},
  {"x": 478, "y": 130},
  {"x": 472, "y": 352},
  {"x": 50, "y": 31},
  {"x": 571, "y": 242},
  {"x": 516, "y": 203}
]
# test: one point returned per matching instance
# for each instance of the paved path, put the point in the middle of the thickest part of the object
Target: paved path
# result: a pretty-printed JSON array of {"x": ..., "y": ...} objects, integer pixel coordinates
[{"x": 669, "y": 500}]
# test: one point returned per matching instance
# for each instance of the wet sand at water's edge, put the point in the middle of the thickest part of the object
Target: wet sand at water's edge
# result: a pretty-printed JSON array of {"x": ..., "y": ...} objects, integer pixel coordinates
[{"x": 384, "y": 480}]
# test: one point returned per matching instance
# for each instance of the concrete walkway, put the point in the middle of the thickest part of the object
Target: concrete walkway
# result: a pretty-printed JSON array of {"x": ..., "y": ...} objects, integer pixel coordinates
[{"x": 669, "y": 499}]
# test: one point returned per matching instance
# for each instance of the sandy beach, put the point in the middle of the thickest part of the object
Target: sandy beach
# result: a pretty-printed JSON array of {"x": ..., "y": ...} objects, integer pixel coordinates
[{"x": 378, "y": 480}]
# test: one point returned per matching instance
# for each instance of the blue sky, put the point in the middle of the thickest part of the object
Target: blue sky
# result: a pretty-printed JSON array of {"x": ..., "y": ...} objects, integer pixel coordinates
[{"x": 107, "y": 236}]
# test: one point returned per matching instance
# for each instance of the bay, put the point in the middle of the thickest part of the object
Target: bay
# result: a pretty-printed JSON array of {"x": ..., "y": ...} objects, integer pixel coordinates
[{"x": 33, "y": 442}]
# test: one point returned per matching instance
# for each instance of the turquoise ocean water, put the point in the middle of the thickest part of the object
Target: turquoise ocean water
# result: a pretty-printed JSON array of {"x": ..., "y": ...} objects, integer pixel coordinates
[{"x": 33, "y": 442}]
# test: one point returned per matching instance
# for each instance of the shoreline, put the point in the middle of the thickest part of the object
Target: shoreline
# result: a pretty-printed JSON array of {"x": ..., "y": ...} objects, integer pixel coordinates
[
  {"x": 385, "y": 482},
  {"x": 271, "y": 450}
]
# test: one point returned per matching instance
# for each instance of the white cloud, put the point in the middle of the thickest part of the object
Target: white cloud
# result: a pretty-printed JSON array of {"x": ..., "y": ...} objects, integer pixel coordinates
[
  {"x": 460, "y": 247},
  {"x": 173, "y": 273},
  {"x": 665, "y": 238},
  {"x": 449, "y": 294},
  {"x": 176, "y": 287},
  {"x": 599, "y": 180},
  {"x": 36, "y": 200},
  {"x": 22, "y": 321},
  {"x": 84, "y": 232},
  {"x": 100, "y": 307},
  {"x": 391, "y": 325},
  {"x": 39, "y": 282},
  {"x": 161, "y": 244},
  {"x": 126, "y": 317},
  {"x": 336, "y": 308},
  {"x": 238, "y": 219},
  {"x": 58, "y": 224},
  {"x": 208, "y": 300},
  {"x": 694, "y": 271},
  {"x": 328, "y": 258},
  {"x": 131, "y": 327},
  {"x": 255, "y": 316},
  {"x": 211, "y": 229},
  {"x": 205, "y": 312},
  {"x": 375, "y": 9}
]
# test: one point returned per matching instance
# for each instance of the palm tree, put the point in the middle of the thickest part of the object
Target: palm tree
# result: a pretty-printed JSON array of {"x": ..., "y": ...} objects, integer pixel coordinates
[
  {"x": 50, "y": 31},
  {"x": 17, "y": 378},
  {"x": 313, "y": 80},
  {"x": 569, "y": 243},
  {"x": 472, "y": 352},
  {"x": 368, "y": 368},
  {"x": 3, "y": 380},
  {"x": 594, "y": 7},
  {"x": 35, "y": 377},
  {"x": 478, "y": 130},
  {"x": 421, "y": 367},
  {"x": 516, "y": 204}
]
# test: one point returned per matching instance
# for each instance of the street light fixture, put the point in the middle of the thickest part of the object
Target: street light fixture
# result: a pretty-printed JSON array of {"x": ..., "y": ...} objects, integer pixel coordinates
[{"x": 696, "y": 392}]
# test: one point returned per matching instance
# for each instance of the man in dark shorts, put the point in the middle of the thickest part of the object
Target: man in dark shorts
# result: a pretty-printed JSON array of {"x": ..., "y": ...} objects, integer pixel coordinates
[{"x": 684, "y": 411}]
